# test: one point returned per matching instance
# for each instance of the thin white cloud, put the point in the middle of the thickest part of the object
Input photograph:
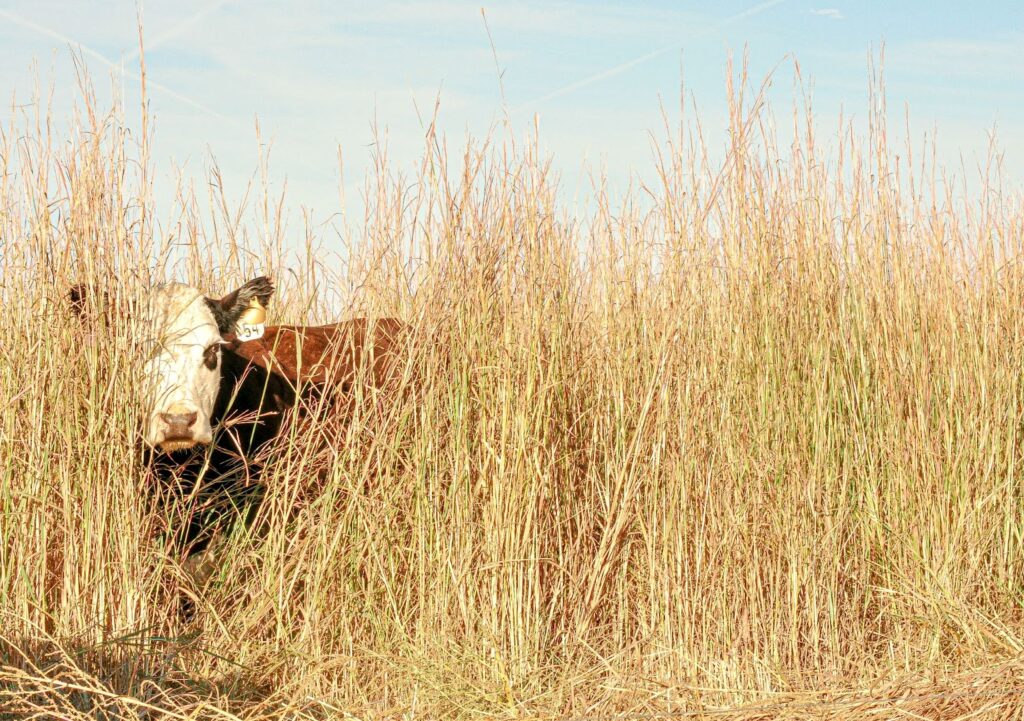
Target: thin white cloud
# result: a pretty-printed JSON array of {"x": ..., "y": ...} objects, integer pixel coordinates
[
  {"x": 942, "y": 59},
  {"x": 103, "y": 59},
  {"x": 579, "y": 18},
  {"x": 54, "y": 35},
  {"x": 172, "y": 32},
  {"x": 611, "y": 72},
  {"x": 830, "y": 13}
]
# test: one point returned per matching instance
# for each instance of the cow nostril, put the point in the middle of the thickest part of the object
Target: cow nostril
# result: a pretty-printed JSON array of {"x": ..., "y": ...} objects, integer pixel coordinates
[{"x": 179, "y": 421}]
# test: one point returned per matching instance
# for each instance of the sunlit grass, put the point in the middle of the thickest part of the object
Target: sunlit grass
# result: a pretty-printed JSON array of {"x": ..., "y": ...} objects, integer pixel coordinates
[{"x": 748, "y": 437}]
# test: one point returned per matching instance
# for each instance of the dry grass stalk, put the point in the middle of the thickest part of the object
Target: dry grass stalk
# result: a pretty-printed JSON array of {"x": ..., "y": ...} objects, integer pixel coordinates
[{"x": 755, "y": 436}]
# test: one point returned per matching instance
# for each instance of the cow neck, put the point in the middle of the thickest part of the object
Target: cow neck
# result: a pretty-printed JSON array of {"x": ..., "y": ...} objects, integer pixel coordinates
[{"x": 251, "y": 383}]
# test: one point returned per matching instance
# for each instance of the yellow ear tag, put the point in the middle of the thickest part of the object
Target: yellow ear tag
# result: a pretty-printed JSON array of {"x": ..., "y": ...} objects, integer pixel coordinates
[{"x": 251, "y": 324}]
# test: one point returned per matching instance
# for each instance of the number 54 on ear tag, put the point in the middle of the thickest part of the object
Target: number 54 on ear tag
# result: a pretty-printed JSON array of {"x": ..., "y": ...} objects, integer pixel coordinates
[
  {"x": 250, "y": 325},
  {"x": 250, "y": 331}
]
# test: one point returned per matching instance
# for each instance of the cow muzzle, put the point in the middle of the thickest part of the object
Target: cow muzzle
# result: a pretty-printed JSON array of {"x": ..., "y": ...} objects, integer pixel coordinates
[{"x": 177, "y": 426}]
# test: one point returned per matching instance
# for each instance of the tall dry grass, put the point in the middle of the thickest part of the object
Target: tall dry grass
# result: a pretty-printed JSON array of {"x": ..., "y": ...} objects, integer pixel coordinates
[{"x": 749, "y": 438}]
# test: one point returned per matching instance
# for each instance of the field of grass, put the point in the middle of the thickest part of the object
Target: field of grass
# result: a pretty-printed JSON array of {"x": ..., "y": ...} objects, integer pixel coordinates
[{"x": 747, "y": 442}]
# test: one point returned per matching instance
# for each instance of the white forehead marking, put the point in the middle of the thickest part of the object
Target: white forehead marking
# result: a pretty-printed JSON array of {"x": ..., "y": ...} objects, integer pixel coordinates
[{"x": 180, "y": 315}]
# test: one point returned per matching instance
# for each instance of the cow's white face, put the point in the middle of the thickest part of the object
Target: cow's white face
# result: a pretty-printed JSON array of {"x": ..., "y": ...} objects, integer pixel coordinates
[
  {"x": 181, "y": 376},
  {"x": 182, "y": 332}
]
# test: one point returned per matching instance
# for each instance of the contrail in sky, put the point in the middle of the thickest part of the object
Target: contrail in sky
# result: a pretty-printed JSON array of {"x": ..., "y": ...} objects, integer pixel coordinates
[
  {"x": 161, "y": 39},
  {"x": 611, "y": 72},
  {"x": 54, "y": 35}
]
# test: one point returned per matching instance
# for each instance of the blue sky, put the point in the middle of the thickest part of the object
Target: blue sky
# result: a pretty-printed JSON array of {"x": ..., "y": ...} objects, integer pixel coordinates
[{"x": 318, "y": 74}]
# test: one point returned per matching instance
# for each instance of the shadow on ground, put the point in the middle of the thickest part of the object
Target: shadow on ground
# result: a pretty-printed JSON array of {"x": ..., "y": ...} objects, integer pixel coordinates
[{"x": 135, "y": 676}]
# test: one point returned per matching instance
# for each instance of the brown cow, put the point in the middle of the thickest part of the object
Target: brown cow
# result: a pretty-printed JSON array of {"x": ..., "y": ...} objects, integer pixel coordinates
[{"x": 213, "y": 401}]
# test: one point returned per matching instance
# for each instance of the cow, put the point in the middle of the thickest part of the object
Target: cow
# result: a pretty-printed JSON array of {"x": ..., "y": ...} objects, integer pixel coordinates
[{"x": 216, "y": 399}]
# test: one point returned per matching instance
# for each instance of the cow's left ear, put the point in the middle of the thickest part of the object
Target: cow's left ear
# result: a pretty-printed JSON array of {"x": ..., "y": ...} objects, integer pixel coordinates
[{"x": 229, "y": 309}]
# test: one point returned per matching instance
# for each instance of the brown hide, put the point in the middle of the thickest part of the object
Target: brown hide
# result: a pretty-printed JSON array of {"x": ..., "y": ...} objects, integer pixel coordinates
[
  {"x": 328, "y": 355},
  {"x": 291, "y": 364}
]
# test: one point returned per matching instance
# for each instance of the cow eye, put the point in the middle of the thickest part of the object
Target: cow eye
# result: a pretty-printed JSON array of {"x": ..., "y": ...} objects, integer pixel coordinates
[{"x": 210, "y": 356}]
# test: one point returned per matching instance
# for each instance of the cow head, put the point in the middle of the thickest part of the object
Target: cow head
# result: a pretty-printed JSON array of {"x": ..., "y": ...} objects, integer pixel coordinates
[
  {"x": 182, "y": 374},
  {"x": 182, "y": 336}
]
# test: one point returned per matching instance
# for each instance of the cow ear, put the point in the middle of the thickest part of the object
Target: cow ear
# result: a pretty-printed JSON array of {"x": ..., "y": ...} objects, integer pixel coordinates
[
  {"x": 229, "y": 309},
  {"x": 78, "y": 299},
  {"x": 86, "y": 303}
]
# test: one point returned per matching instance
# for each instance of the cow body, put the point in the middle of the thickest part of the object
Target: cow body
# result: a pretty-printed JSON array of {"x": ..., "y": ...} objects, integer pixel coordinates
[
  {"x": 265, "y": 384},
  {"x": 215, "y": 404},
  {"x": 266, "y": 377}
]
